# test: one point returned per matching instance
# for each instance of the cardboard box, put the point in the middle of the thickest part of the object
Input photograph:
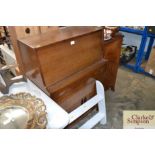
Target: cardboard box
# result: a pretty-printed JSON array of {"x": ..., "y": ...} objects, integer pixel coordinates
[{"x": 150, "y": 66}]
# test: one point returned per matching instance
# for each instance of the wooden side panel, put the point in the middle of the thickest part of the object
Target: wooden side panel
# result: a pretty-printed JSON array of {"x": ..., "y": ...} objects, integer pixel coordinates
[
  {"x": 64, "y": 59},
  {"x": 112, "y": 48},
  {"x": 111, "y": 52},
  {"x": 31, "y": 66}
]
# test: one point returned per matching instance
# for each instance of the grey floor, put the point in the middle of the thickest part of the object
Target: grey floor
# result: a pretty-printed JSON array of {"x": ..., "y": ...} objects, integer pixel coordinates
[{"x": 133, "y": 92}]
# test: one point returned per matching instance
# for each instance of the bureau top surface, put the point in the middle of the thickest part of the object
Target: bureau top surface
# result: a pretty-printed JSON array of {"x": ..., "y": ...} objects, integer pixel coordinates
[{"x": 55, "y": 36}]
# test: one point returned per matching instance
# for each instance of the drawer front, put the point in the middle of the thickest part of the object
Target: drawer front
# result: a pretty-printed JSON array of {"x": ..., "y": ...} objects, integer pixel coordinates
[
  {"x": 74, "y": 95},
  {"x": 63, "y": 59},
  {"x": 73, "y": 91}
]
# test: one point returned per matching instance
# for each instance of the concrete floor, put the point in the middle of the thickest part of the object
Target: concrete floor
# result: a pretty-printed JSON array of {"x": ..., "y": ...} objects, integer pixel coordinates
[{"x": 132, "y": 92}]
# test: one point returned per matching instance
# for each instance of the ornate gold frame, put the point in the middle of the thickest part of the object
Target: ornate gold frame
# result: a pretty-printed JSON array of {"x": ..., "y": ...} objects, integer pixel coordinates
[{"x": 35, "y": 107}]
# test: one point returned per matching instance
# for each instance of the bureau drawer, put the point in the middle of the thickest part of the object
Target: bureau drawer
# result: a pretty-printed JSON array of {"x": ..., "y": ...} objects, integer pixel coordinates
[
  {"x": 78, "y": 88},
  {"x": 65, "y": 58},
  {"x": 74, "y": 95}
]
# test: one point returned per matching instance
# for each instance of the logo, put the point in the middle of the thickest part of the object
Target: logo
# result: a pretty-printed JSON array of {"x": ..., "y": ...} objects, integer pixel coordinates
[{"x": 139, "y": 119}]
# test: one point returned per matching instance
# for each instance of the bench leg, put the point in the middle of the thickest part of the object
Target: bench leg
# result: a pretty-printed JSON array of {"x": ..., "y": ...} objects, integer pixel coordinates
[{"x": 101, "y": 104}]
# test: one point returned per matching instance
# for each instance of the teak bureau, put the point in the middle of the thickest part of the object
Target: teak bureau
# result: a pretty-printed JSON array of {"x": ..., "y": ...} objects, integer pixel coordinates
[{"x": 66, "y": 62}]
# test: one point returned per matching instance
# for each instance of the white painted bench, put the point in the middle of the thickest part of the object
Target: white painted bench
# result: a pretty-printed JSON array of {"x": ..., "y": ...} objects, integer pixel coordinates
[{"x": 57, "y": 117}]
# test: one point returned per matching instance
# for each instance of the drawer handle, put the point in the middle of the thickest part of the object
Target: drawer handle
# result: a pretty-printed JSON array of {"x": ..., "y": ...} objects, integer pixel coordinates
[
  {"x": 72, "y": 42},
  {"x": 83, "y": 100}
]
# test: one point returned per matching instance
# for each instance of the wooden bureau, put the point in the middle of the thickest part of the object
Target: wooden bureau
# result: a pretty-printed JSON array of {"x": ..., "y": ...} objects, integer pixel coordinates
[{"x": 66, "y": 62}]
